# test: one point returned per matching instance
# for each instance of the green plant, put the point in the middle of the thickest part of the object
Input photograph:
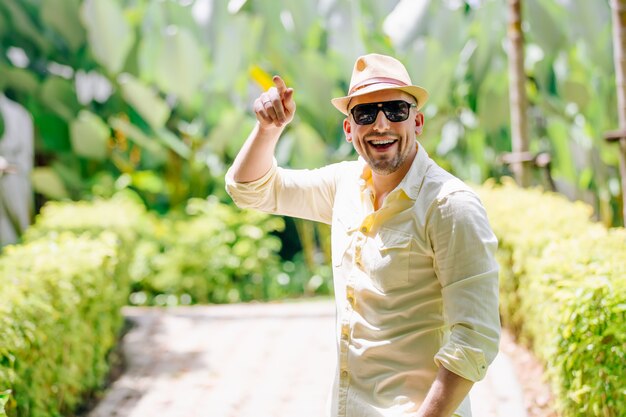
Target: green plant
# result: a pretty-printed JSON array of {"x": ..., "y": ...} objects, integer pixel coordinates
[
  {"x": 123, "y": 214},
  {"x": 526, "y": 233},
  {"x": 213, "y": 252},
  {"x": 563, "y": 292},
  {"x": 4, "y": 398},
  {"x": 579, "y": 331},
  {"x": 60, "y": 316}
]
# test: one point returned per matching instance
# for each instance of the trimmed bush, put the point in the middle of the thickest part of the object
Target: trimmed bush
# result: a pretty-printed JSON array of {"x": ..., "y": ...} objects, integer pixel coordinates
[
  {"x": 124, "y": 215},
  {"x": 212, "y": 253},
  {"x": 526, "y": 221},
  {"x": 563, "y": 292},
  {"x": 59, "y": 317},
  {"x": 64, "y": 289}
]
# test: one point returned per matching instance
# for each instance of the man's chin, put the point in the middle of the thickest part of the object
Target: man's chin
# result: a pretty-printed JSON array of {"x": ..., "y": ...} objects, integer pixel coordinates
[{"x": 384, "y": 168}]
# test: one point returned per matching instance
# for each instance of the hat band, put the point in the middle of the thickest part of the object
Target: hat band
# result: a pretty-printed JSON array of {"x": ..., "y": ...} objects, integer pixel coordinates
[{"x": 376, "y": 80}]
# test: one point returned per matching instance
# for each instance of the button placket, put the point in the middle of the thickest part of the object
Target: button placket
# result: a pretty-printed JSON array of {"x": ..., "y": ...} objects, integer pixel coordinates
[
  {"x": 358, "y": 250},
  {"x": 359, "y": 238},
  {"x": 344, "y": 375}
]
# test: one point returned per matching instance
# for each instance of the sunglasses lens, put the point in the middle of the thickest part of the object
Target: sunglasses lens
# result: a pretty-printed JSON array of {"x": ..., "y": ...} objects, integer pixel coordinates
[
  {"x": 395, "y": 111},
  {"x": 365, "y": 114}
]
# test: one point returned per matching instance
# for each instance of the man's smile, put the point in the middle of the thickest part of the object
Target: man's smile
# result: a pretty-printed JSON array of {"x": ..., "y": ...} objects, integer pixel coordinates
[{"x": 382, "y": 142}]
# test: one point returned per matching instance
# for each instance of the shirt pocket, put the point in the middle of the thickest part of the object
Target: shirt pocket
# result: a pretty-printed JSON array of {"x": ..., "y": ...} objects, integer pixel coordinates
[{"x": 391, "y": 266}]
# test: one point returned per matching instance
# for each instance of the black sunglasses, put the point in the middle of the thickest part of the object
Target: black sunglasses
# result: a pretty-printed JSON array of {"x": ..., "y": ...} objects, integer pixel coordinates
[{"x": 395, "y": 111}]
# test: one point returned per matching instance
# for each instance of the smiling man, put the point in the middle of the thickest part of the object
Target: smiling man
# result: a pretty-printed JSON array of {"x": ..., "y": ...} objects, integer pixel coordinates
[{"x": 416, "y": 283}]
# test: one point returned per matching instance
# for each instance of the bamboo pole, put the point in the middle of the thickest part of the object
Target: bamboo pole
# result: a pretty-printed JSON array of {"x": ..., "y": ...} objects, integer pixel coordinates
[
  {"x": 517, "y": 93},
  {"x": 618, "y": 8}
]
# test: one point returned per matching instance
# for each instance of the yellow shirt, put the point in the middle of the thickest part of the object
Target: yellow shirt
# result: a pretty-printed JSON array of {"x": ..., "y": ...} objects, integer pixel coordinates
[{"x": 416, "y": 282}]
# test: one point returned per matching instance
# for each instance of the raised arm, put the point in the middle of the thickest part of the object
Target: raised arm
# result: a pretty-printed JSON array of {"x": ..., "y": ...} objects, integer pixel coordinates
[{"x": 274, "y": 109}]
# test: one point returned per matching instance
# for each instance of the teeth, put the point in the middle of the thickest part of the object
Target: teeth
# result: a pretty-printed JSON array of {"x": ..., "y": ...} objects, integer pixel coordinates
[{"x": 382, "y": 142}]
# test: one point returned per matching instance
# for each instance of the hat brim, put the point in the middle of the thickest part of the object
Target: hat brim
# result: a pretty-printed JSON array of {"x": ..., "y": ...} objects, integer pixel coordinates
[{"x": 420, "y": 94}]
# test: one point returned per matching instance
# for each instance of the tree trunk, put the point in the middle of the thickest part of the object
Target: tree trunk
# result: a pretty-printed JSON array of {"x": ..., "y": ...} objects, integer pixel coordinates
[
  {"x": 517, "y": 93},
  {"x": 618, "y": 8}
]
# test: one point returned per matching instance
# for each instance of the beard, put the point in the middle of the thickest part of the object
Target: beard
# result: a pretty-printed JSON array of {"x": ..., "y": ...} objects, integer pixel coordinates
[
  {"x": 385, "y": 165},
  {"x": 388, "y": 165}
]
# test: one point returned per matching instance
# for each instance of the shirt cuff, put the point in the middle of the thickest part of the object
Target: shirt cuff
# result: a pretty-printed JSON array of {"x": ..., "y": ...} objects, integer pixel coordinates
[
  {"x": 464, "y": 361},
  {"x": 247, "y": 194}
]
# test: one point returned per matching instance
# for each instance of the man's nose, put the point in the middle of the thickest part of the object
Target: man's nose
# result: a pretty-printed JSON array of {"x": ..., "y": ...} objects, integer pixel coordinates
[{"x": 381, "y": 123}]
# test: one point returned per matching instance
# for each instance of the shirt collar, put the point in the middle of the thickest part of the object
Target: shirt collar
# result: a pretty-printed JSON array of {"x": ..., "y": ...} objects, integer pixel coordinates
[{"x": 412, "y": 181}]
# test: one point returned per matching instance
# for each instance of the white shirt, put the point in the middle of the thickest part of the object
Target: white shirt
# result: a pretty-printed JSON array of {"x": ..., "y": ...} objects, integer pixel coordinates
[{"x": 416, "y": 282}]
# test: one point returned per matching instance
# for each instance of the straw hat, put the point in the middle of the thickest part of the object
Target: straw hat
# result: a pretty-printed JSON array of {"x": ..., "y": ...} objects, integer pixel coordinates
[{"x": 376, "y": 72}]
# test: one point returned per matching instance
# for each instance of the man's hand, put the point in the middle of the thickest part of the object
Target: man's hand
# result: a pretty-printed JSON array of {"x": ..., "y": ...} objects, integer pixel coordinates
[
  {"x": 274, "y": 110},
  {"x": 275, "y": 107}
]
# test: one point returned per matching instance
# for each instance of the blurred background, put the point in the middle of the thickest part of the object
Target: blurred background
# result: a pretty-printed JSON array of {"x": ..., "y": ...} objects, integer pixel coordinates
[
  {"x": 153, "y": 97},
  {"x": 119, "y": 118}
]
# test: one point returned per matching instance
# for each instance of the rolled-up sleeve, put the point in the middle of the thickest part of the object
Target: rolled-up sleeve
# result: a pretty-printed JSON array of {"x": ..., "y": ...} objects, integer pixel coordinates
[
  {"x": 307, "y": 194},
  {"x": 464, "y": 251}
]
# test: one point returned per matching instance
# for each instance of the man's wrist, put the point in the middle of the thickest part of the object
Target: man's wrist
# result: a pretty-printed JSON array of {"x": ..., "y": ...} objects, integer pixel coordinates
[{"x": 269, "y": 129}]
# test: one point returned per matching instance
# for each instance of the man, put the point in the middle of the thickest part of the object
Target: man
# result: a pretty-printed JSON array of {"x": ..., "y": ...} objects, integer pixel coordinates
[{"x": 413, "y": 255}]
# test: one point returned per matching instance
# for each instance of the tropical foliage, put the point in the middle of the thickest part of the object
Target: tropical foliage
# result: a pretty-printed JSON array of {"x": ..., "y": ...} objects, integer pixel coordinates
[{"x": 155, "y": 95}]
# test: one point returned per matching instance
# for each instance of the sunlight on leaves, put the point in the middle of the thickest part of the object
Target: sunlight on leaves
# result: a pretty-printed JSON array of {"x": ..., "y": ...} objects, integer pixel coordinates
[
  {"x": 89, "y": 135},
  {"x": 110, "y": 36},
  {"x": 47, "y": 182}
]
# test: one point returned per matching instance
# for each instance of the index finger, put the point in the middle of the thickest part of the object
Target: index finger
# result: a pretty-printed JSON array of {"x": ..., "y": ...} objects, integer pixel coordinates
[{"x": 280, "y": 85}]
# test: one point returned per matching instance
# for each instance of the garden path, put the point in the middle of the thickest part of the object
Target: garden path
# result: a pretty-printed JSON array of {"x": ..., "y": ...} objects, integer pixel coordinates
[{"x": 244, "y": 360}]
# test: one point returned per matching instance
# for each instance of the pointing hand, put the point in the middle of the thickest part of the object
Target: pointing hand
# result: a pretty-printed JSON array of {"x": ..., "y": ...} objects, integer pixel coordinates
[{"x": 276, "y": 105}]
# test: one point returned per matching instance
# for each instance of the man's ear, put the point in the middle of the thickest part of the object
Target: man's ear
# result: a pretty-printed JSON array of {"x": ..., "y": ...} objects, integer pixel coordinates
[
  {"x": 419, "y": 123},
  {"x": 347, "y": 129}
]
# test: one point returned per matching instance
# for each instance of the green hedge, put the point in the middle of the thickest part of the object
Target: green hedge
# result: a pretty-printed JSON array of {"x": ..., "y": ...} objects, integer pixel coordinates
[
  {"x": 563, "y": 292},
  {"x": 59, "y": 317},
  {"x": 235, "y": 252},
  {"x": 62, "y": 293},
  {"x": 213, "y": 253},
  {"x": 124, "y": 215}
]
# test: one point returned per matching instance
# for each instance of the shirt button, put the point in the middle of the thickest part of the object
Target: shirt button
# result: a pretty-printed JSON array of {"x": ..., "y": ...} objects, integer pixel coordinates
[
  {"x": 351, "y": 300},
  {"x": 344, "y": 374},
  {"x": 364, "y": 229}
]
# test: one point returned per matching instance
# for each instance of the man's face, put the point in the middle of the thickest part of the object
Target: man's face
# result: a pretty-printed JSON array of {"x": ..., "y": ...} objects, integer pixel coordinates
[{"x": 385, "y": 145}]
